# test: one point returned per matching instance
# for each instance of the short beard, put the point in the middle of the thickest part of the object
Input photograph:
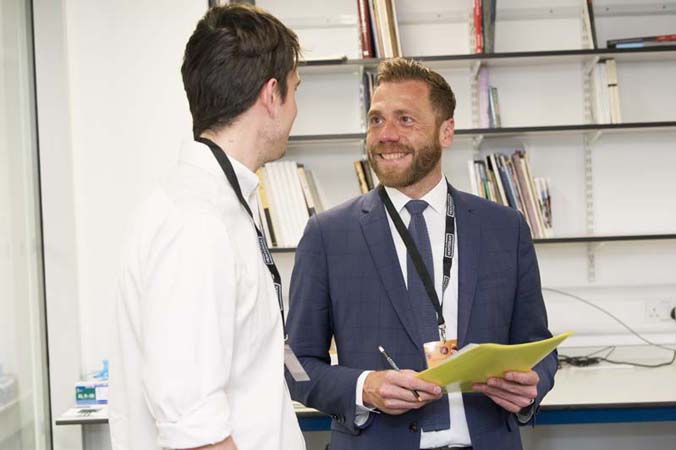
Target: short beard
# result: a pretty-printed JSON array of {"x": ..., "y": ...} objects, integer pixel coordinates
[{"x": 424, "y": 160}]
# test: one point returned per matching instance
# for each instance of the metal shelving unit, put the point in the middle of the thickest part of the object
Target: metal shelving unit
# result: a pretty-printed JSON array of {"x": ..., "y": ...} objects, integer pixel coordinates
[{"x": 562, "y": 240}]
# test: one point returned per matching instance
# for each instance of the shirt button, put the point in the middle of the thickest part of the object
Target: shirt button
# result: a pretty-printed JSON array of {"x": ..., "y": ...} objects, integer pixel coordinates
[{"x": 413, "y": 427}]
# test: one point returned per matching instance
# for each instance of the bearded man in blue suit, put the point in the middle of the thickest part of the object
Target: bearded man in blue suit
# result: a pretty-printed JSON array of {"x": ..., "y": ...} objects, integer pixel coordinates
[{"x": 355, "y": 280}]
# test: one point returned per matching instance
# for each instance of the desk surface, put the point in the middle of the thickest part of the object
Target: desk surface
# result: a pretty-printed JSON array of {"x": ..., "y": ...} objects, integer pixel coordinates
[
  {"x": 600, "y": 388},
  {"x": 615, "y": 385}
]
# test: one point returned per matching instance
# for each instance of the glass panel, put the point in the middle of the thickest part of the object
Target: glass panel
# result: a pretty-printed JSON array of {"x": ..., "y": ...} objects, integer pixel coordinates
[{"x": 24, "y": 417}]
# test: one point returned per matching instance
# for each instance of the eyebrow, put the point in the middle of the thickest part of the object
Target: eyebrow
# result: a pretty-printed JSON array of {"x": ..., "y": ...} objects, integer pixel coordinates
[{"x": 398, "y": 112}]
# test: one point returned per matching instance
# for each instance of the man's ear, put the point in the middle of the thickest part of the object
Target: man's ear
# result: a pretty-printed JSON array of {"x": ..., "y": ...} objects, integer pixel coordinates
[
  {"x": 446, "y": 132},
  {"x": 269, "y": 96}
]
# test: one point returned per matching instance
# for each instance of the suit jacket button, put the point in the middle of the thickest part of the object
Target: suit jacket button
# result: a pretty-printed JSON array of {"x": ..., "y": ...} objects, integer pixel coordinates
[
  {"x": 413, "y": 427},
  {"x": 341, "y": 419},
  {"x": 334, "y": 416}
]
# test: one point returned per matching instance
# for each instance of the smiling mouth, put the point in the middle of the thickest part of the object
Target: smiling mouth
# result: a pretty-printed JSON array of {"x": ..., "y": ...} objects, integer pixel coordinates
[{"x": 392, "y": 156}]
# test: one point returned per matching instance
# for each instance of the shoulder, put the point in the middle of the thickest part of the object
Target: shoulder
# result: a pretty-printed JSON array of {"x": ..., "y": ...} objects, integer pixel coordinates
[
  {"x": 487, "y": 210},
  {"x": 347, "y": 212}
]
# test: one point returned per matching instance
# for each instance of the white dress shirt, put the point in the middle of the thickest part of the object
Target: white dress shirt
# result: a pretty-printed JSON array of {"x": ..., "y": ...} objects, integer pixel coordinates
[
  {"x": 435, "y": 218},
  {"x": 199, "y": 352}
]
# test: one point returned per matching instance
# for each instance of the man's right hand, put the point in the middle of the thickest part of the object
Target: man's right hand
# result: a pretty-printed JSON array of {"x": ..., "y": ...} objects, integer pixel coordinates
[{"x": 391, "y": 391}]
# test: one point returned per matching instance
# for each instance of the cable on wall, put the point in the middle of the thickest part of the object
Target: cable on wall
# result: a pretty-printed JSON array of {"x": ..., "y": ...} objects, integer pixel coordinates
[{"x": 590, "y": 359}]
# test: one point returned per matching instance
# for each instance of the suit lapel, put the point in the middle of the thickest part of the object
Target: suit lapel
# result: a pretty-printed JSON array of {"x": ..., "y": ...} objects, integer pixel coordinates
[
  {"x": 378, "y": 237},
  {"x": 469, "y": 242}
]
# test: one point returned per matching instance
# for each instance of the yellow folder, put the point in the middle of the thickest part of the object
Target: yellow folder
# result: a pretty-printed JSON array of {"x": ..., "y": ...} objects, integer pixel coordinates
[{"x": 476, "y": 363}]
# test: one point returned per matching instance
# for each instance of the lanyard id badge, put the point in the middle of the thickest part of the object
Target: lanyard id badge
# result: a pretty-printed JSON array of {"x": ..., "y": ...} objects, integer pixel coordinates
[
  {"x": 290, "y": 360},
  {"x": 435, "y": 351}
]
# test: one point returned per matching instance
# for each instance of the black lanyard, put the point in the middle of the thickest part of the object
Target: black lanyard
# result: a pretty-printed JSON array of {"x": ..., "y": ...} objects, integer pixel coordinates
[
  {"x": 415, "y": 254},
  {"x": 229, "y": 172}
]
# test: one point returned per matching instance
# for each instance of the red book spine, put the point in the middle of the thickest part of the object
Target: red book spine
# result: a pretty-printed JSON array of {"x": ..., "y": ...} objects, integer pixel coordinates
[
  {"x": 478, "y": 29},
  {"x": 365, "y": 29}
]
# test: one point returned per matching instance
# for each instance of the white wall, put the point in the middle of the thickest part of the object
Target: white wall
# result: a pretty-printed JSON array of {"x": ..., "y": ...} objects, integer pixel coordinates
[{"x": 112, "y": 113}]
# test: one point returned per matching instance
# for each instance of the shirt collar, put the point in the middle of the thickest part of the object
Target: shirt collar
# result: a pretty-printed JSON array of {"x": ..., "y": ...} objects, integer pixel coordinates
[
  {"x": 436, "y": 197},
  {"x": 199, "y": 155}
]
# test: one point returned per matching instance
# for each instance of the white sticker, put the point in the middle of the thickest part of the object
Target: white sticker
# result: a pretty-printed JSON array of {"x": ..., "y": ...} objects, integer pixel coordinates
[{"x": 293, "y": 365}]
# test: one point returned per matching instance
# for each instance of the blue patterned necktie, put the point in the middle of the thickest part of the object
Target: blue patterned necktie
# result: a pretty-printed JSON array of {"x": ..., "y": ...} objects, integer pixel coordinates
[{"x": 435, "y": 416}]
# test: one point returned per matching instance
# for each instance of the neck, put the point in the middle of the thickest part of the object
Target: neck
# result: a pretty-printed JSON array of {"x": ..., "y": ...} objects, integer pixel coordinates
[
  {"x": 420, "y": 188},
  {"x": 238, "y": 143}
]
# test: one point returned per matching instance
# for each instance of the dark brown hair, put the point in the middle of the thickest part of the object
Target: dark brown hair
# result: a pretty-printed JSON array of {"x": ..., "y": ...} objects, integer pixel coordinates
[
  {"x": 402, "y": 69},
  {"x": 234, "y": 50}
]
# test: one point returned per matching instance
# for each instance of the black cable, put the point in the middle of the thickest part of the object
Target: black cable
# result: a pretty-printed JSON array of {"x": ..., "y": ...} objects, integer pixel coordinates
[{"x": 589, "y": 359}]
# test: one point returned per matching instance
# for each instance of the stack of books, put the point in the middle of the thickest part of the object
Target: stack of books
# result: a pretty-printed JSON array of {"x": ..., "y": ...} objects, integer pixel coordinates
[
  {"x": 509, "y": 181},
  {"x": 287, "y": 197}
]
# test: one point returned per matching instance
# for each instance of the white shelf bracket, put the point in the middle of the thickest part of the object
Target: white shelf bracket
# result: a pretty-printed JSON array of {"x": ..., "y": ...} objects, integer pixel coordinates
[
  {"x": 589, "y": 205},
  {"x": 362, "y": 98},
  {"x": 476, "y": 145},
  {"x": 476, "y": 65},
  {"x": 595, "y": 137}
]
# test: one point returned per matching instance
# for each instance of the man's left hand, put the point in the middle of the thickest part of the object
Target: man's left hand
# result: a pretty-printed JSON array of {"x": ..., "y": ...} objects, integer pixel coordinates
[{"x": 515, "y": 391}]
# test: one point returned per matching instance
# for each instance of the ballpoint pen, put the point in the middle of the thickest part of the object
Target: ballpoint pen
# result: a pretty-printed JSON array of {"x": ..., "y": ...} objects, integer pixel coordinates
[{"x": 393, "y": 365}]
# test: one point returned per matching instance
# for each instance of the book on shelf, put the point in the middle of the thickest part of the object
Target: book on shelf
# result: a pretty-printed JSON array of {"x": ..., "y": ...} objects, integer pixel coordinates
[
  {"x": 478, "y": 27},
  {"x": 366, "y": 177},
  {"x": 361, "y": 177},
  {"x": 312, "y": 184},
  {"x": 509, "y": 182},
  {"x": 264, "y": 211},
  {"x": 385, "y": 28},
  {"x": 643, "y": 41},
  {"x": 393, "y": 27},
  {"x": 365, "y": 30},
  {"x": 605, "y": 92},
  {"x": 287, "y": 197},
  {"x": 375, "y": 30},
  {"x": 494, "y": 108},
  {"x": 369, "y": 83},
  {"x": 488, "y": 9},
  {"x": 613, "y": 91},
  {"x": 307, "y": 193}
]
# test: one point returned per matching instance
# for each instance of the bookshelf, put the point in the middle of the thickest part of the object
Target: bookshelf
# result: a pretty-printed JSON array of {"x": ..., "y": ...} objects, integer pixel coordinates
[
  {"x": 507, "y": 131},
  {"x": 497, "y": 59},
  {"x": 614, "y": 213},
  {"x": 562, "y": 240}
]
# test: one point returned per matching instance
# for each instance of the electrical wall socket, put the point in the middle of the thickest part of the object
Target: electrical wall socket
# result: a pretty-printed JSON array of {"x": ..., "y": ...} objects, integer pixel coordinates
[{"x": 659, "y": 310}]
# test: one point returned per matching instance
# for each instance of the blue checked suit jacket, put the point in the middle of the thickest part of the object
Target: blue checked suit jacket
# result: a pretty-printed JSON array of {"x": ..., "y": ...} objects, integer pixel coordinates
[{"x": 347, "y": 283}]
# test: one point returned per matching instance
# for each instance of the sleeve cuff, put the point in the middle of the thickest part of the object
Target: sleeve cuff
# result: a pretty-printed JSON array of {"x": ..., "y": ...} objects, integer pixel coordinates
[
  {"x": 526, "y": 414},
  {"x": 362, "y": 412},
  {"x": 207, "y": 424}
]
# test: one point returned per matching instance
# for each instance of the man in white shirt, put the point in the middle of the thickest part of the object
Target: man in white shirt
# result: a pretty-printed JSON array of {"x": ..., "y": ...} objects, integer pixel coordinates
[
  {"x": 355, "y": 280},
  {"x": 199, "y": 357}
]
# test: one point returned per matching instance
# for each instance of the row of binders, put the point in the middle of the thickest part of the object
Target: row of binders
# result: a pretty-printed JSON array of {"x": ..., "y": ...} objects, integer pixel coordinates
[
  {"x": 287, "y": 197},
  {"x": 509, "y": 182},
  {"x": 605, "y": 92}
]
